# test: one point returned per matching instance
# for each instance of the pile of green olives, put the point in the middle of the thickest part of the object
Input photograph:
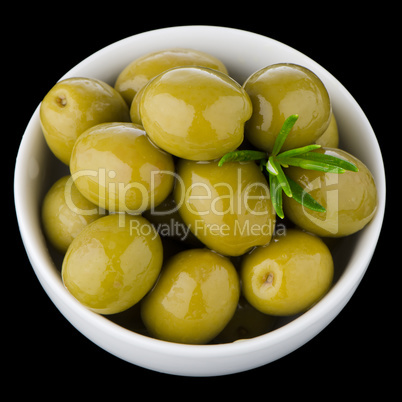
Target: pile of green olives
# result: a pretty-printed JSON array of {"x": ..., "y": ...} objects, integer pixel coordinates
[{"x": 152, "y": 228}]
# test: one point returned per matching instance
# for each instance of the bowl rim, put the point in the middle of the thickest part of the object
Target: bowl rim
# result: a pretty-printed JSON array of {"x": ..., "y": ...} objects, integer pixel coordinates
[{"x": 335, "y": 300}]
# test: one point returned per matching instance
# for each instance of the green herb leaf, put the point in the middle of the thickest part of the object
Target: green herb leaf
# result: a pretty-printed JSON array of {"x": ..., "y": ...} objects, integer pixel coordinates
[
  {"x": 285, "y": 130},
  {"x": 271, "y": 167},
  {"x": 303, "y": 157},
  {"x": 276, "y": 195},
  {"x": 282, "y": 179},
  {"x": 310, "y": 165},
  {"x": 242, "y": 156},
  {"x": 298, "y": 151},
  {"x": 304, "y": 198},
  {"x": 329, "y": 160}
]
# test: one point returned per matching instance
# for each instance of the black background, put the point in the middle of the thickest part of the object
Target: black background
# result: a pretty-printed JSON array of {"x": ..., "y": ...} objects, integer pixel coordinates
[{"x": 355, "y": 352}]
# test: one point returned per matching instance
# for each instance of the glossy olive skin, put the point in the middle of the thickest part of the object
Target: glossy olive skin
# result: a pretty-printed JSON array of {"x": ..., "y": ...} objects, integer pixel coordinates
[
  {"x": 350, "y": 198},
  {"x": 289, "y": 275},
  {"x": 195, "y": 113},
  {"x": 135, "y": 115},
  {"x": 195, "y": 297},
  {"x": 113, "y": 263},
  {"x": 136, "y": 74},
  {"x": 228, "y": 208},
  {"x": 330, "y": 138},
  {"x": 117, "y": 167},
  {"x": 278, "y": 91},
  {"x": 72, "y": 106},
  {"x": 65, "y": 212}
]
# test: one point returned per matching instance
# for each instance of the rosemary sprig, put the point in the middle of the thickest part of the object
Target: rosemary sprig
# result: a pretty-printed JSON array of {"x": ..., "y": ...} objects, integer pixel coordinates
[{"x": 275, "y": 163}]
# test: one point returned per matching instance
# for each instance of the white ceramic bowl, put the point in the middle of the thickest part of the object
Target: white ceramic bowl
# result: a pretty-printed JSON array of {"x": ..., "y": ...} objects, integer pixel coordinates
[{"x": 243, "y": 53}]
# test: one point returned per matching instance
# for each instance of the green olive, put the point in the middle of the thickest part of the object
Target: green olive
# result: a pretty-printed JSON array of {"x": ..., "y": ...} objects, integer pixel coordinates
[
  {"x": 278, "y": 91},
  {"x": 195, "y": 297},
  {"x": 330, "y": 138},
  {"x": 113, "y": 263},
  {"x": 289, "y": 275},
  {"x": 350, "y": 198},
  {"x": 72, "y": 106},
  {"x": 117, "y": 167},
  {"x": 195, "y": 113},
  {"x": 227, "y": 208},
  {"x": 135, "y": 115},
  {"x": 65, "y": 212},
  {"x": 136, "y": 74}
]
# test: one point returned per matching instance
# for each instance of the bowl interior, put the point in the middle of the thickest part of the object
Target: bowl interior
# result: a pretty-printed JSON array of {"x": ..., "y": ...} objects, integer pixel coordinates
[{"x": 243, "y": 53}]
